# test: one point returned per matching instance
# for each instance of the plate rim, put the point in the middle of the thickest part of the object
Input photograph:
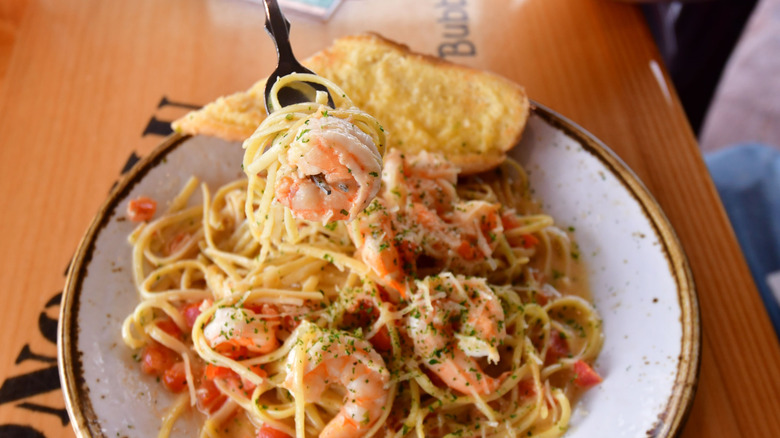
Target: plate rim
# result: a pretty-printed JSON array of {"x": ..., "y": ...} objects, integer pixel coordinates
[
  {"x": 77, "y": 402},
  {"x": 678, "y": 407},
  {"x": 670, "y": 421}
]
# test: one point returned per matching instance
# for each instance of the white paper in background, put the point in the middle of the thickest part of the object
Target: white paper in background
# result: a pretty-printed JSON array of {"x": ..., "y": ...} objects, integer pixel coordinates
[{"x": 320, "y": 9}]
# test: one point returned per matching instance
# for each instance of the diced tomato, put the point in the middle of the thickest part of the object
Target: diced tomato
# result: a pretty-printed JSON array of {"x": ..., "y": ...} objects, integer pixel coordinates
[
  {"x": 267, "y": 431},
  {"x": 213, "y": 372},
  {"x": 528, "y": 241},
  {"x": 231, "y": 350},
  {"x": 258, "y": 369},
  {"x": 269, "y": 311},
  {"x": 175, "y": 377},
  {"x": 243, "y": 385},
  {"x": 540, "y": 298},
  {"x": 216, "y": 372},
  {"x": 558, "y": 347},
  {"x": 156, "y": 358},
  {"x": 584, "y": 375},
  {"x": 256, "y": 308},
  {"x": 290, "y": 322},
  {"x": 381, "y": 340},
  {"x": 191, "y": 313},
  {"x": 509, "y": 220},
  {"x": 488, "y": 223},
  {"x": 526, "y": 387},
  {"x": 209, "y": 396},
  {"x": 232, "y": 379},
  {"x": 170, "y": 327},
  {"x": 468, "y": 250},
  {"x": 141, "y": 209}
]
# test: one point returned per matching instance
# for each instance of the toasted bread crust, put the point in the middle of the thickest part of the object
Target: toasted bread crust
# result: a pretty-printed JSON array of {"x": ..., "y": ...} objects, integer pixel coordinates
[
  {"x": 234, "y": 117},
  {"x": 423, "y": 102}
]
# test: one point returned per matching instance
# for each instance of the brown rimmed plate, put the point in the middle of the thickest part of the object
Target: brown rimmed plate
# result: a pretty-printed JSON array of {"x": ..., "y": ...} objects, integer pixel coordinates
[{"x": 639, "y": 277}]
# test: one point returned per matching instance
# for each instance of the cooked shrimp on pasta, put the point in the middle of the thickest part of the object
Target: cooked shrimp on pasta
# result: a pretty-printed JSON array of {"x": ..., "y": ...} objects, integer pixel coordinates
[{"x": 341, "y": 291}]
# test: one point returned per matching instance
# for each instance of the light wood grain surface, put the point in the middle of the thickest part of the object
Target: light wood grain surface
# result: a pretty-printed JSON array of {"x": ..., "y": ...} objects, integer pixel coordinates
[{"x": 81, "y": 82}]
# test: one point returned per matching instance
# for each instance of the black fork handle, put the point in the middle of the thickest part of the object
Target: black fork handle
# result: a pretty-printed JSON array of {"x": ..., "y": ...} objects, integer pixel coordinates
[{"x": 279, "y": 29}]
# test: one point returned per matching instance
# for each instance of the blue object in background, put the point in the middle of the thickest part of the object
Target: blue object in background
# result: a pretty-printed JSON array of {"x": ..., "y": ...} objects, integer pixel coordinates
[{"x": 748, "y": 180}]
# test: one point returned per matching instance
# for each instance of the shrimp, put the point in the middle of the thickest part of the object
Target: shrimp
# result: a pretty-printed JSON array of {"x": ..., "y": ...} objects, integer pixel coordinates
[
  {"x": 333, "y": 357},
  {"x": 335, "y": 151},
  {"x": 424, "y": 178},
  {"x": 373, "y": 234},
  {"x": 236, "y": 329},
  {"x": 457, "y": 320},
  {"x": 425, "y": 185},
  {"x": 418, "y": 226}
]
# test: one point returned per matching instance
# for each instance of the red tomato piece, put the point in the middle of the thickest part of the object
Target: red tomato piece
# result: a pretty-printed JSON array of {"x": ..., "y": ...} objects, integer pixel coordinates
[
  {"x": 170, "y": 327},
  {"x": 509, "y": 221},
  {"x": 256, "y": 308},
  {"x": 540, "y": 298},
  {"x": 488, "y": 223},
  {"x": 382, "y": 340},
  {"x": 558, "y": 347},
  {"x": 269, "y": 311},
  {"x": 258, "y": 369},
  {"x": 267, "y": 431},
  {"x": 468, "y": 250},
  {"x": 526, "y": 387},
  {"x": 209, "y": 396},
  {"x": 290, "y": 322},
  {"x": 231, "y": 350},
  {"x": 216, "y": 372},
  {"x": 585, "y": 375},
  {"x": 528, "y": 241},
  {"x": 141, "y": 209},
  {"x": 155, "y": 359},
  {"x": 175, "y": 377},
  {"x": 191, "y": 313}
]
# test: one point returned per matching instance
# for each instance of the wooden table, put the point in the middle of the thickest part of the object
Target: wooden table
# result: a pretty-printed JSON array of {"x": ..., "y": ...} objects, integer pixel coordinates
[{"x": 87, "y": 85}]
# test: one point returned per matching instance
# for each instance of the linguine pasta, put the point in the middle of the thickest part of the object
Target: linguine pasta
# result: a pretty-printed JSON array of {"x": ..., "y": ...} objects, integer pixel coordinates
[{"x": 446, "y": 306}]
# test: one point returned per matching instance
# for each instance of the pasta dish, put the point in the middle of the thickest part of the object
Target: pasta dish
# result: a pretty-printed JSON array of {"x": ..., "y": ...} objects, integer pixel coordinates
[{"x": 346, "y": 289}]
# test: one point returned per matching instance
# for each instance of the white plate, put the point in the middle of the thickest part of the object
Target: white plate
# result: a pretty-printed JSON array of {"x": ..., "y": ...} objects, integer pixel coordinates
[{"x": 639, "y": 278}]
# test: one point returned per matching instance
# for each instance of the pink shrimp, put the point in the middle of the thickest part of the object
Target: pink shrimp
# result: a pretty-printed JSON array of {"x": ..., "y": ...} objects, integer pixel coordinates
[
  {"x": 331, "y": 171},
  {"x": 425, "y": 178},
  {"x": 373, "y": 234},
  {"x": 419, "y": 226},
  {"x": 234, "y": 330},
  {"x": 457, "y": 319},
  {"x": 334, "y": 357}
]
